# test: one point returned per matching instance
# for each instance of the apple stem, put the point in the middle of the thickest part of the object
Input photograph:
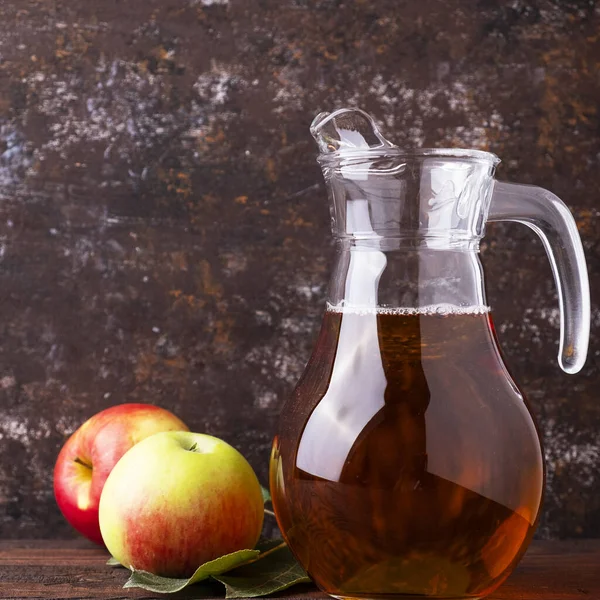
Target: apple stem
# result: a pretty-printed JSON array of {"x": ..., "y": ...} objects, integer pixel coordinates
[
  {"x": 269, "y": 512},
  {"x": 266, "y": 553},
  {"x": 82, "y": 463}
]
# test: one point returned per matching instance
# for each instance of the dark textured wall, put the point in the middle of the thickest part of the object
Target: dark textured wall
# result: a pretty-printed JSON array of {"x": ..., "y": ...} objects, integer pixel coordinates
[{"x": 164, "y": 233}]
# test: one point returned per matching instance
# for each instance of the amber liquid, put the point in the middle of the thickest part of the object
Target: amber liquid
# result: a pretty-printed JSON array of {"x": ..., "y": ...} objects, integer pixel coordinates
[{"x": 407, "y": 463}]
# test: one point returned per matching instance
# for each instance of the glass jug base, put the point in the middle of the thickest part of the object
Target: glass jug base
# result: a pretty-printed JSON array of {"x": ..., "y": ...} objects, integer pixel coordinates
[
  {"x": 400, "y": 597},
  {"x": 408, "y": 464}
]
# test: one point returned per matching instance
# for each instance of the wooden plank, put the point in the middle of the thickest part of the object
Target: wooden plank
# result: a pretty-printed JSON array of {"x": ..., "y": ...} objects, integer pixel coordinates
[{"x": 68, "y": 569}]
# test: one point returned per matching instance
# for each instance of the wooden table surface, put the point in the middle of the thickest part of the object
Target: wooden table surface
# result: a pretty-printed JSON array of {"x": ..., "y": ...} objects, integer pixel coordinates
[{"x": 74, "y": 569}]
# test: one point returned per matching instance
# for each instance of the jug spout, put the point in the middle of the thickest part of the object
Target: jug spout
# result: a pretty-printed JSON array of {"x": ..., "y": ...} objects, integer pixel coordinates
[{"x": 347, "y": 129}]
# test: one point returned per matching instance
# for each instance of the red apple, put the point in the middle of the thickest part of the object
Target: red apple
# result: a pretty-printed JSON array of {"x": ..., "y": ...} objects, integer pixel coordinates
[
  {"x": 177, "y": 500},
  {"x": 89, "y": 455}
]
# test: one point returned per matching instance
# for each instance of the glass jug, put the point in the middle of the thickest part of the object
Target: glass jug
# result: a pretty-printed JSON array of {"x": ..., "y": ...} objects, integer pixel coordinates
[{"x": 407, "y": 463}]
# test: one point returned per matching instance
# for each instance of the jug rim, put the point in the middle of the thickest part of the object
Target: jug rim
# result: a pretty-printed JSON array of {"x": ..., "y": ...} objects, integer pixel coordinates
[{"x": 359, "y": 155}]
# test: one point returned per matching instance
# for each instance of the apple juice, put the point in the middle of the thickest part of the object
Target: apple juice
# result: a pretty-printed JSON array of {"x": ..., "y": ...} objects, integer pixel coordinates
[{"x": 406, "y": 464}]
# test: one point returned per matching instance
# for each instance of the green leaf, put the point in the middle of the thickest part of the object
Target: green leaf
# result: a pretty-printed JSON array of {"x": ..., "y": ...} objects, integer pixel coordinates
[
  {"x": 265, "y": 494},
  {"x": 113, "y": 562},
  {"x": 273, "y": 571},
  {"x": 269, "y": 568},
  {"x": 164, "y": 585}
]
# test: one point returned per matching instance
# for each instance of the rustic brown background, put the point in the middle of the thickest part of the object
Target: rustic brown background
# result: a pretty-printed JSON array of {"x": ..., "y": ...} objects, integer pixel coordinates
[{"x": 164, "y": 234}]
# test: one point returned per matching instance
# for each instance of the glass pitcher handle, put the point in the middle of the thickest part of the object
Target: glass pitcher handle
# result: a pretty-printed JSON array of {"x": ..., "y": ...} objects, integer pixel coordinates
[{"x": 550, "y": 218}]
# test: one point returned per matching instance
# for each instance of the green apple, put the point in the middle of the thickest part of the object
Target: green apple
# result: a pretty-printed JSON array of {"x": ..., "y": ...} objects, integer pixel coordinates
[{"x": 177, "y": 500}]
